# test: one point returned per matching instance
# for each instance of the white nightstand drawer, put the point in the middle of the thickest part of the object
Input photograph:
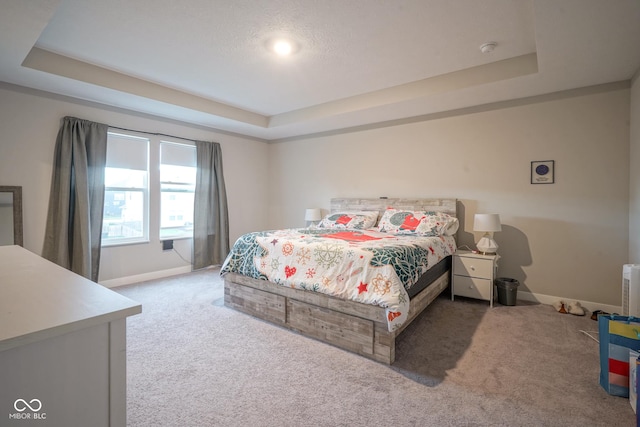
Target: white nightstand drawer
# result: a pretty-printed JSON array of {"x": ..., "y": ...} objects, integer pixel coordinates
[
  {"x": 473, "y": 267},
  {"x": 472, "y": 287}
]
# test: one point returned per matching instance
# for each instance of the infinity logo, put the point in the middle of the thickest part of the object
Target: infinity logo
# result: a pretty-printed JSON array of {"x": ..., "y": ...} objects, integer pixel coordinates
[{"x": 24, "y": 405}]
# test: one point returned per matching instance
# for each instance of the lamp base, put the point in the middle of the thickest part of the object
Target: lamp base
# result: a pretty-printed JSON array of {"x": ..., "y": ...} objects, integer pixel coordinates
[{"x": 487, "y": 246}]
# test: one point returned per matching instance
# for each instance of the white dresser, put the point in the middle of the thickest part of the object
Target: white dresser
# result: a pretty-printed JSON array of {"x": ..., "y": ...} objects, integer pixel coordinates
[
  {"x": 473, "y": 275},
  {"x": 62, "y": 345}
]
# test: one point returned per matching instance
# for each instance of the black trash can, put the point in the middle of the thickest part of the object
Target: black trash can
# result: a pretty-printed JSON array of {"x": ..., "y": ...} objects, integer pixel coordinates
[{"x": 507, "y": 290}]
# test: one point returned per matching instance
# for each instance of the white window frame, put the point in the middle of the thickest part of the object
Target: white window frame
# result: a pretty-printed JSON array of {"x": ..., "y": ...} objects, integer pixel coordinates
[
  {"x": 160, "y": 163},
  {"x": 145, "y": 198}
]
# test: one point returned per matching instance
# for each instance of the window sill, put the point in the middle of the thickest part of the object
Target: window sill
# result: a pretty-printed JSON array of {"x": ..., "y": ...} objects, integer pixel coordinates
[
  {"x": 175, "y": 238},
  {"x": 125, "y": 243}
]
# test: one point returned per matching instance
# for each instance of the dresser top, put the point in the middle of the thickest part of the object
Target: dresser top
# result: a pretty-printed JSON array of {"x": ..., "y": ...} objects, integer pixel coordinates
[{"x": 39, "y": 299}]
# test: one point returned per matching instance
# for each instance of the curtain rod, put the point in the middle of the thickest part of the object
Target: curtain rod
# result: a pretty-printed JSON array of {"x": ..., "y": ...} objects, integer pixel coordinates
[{"x": 152, "y": 133}]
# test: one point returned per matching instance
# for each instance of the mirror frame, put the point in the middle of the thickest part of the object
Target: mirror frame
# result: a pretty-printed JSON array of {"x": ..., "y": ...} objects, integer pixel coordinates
[{"x": 17, "y": 211}]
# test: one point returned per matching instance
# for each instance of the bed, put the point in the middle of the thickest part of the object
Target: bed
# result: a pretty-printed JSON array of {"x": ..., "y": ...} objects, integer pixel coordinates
[{"x": 263, "y": 277}]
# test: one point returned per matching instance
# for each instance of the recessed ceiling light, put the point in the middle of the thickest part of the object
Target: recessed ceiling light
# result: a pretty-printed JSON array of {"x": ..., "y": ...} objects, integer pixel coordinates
[{"x": 282, "y": 47}]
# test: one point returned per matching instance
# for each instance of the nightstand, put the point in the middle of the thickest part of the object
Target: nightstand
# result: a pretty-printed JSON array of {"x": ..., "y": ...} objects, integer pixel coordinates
[{"x": 473, "y": 275}]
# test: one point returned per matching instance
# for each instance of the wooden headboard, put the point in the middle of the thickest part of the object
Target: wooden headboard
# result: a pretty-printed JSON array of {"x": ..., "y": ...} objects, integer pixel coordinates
[{"x": 363, "y": 204}]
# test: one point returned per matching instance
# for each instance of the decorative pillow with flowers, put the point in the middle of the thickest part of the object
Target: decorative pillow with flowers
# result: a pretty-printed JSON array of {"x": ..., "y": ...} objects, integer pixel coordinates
[
  {"x": 354, "y": 220},
  {"x": 425, "y": 223}
]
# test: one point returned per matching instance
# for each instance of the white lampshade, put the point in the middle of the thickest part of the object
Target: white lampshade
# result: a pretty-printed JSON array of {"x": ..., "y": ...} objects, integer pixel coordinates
[
  {"x": 312, "y": 215},
  {"x": 488, "y": 223}
]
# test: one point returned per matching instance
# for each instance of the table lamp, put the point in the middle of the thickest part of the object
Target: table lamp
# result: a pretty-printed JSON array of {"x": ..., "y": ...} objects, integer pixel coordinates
[
  {"x": 313, "y": 215},
  {"x": 487, "y": 223}
]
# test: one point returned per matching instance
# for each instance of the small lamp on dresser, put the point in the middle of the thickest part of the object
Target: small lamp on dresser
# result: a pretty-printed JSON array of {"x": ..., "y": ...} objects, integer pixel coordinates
[
  {"x": 487, "y": 223},
  {"x": 312, "y": 216}
]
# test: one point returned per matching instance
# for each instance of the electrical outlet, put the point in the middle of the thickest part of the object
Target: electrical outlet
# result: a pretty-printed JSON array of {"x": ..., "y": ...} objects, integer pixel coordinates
[{"x": 167, "y": 245}]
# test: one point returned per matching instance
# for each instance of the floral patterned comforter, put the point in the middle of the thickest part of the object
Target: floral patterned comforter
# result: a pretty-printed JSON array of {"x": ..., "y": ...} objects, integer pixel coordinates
[{"x": 367, "y": 266}]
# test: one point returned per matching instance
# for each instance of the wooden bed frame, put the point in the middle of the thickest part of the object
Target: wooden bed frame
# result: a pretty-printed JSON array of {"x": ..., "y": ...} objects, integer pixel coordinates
[{"x": 350, "y": 325}]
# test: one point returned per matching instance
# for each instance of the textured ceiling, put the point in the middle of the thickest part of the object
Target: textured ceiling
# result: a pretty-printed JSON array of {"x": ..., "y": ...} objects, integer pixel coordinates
[{"x": 359, "y": 62}]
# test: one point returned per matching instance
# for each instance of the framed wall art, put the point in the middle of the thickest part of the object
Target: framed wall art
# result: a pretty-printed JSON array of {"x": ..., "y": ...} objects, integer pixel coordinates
[{"x": 543, "y": 172}]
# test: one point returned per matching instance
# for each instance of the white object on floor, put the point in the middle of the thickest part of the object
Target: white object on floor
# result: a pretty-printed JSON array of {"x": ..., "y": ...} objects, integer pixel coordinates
[
  {"x": 631, "y": 290},
  {"x": 560, "y": 307},
  {"x": 575, "y": 308}
]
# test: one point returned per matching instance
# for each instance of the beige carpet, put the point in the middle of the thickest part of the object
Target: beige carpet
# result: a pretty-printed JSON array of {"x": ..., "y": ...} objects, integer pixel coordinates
[{"x": 194, "y": 362}]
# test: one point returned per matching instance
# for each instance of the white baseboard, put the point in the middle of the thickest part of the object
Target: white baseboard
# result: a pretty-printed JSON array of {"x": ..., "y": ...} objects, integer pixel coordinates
[
  {"x": 121, "y": 281},
  {"x": 549, "y": 299}
]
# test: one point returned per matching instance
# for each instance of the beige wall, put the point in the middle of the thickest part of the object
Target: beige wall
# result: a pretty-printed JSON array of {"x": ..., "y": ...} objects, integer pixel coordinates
[
  {"x": 29, "y": 124},
  {"x": 634, "y": 182},
  {"x": 566, "y": 240}
]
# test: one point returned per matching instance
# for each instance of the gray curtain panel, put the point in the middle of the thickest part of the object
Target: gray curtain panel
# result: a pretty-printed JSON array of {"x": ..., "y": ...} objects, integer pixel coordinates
[
  {"x": 74, "y": 220},
  {"x": 210, "y": 214}
]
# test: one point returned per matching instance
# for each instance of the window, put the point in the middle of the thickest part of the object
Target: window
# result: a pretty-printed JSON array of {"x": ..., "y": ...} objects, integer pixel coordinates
[
  {"x": 177, "y": 186},
  {"x": 126, "y": 197},
  {"x": 149, "y": 188}
]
